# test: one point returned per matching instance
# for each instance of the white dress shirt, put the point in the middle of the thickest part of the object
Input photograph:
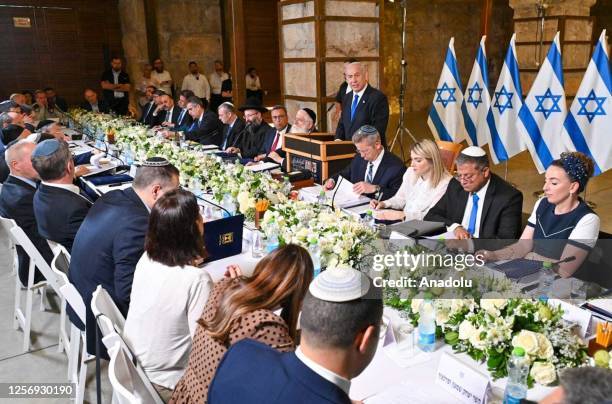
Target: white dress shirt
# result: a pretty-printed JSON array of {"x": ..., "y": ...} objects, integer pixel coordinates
[
  {"x": 281, "y": 138},
  {"x": 28, "y": 181},
  {"x": 165, "y": 304},
  {"x": 327, "y": 374},
  {"x": 465, "y": 222},
  {"x": 375, "y": 163},
  {"x": 215, "y": 82},
  {"x": 117, "y": 94},
  {"x": 198, "y": 84},
  {"x": 359, "y": 94},
  {"x": 416, "y": 196},
  {"x": 252, "y": 83},
  {"x": 160, "y": 77}
]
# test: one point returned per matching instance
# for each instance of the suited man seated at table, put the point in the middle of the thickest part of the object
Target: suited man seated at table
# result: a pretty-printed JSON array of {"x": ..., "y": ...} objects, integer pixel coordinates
[
  {"x": 374, "y": 172},
  {"x": 478, "y": 204},
  {"x": 110, "y": 241},
  {"x": 364, "y": 105},
  {"x": 184, "y": 120},
  {"x": 561, "y": 224},
  {"x": 233, "y": 125},
  {"x": 93, "y": 103},
  {"x": 146, "y": 115},
  {"x": 206, "y": 127},
  {"x": 340, "y": 322},
  {"x": 251, "y": 143},
  {"x": 167, "y": 117},
  {"x": 59, "y": 206},
  {"x": 16, "y": 202}
]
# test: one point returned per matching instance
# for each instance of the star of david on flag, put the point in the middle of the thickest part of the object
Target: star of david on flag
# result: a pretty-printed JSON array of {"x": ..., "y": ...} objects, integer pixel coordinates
[
  {"x": 502, "y": 118},
  {"x": 543, "y": 112},
  {"x": 477, "y": 99},
  {"x": 588, "y": 122},
  {"x": 445, "y": 119}
]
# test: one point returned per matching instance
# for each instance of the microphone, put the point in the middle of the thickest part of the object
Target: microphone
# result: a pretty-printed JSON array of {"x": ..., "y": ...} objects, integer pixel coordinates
[
  {"x": 566, "y": 259},
  {"x": 335, "y": 191},
  {"x": 214, "y": 204}
]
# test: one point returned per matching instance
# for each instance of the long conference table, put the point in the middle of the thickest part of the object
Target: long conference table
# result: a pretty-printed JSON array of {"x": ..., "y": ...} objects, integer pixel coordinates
[{"x": 394, "y": 376}]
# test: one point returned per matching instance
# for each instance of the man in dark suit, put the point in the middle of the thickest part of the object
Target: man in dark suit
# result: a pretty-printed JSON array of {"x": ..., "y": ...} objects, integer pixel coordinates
[
  {"x": 365, "y": 105},
  {"x": 232, "y": 125},
  {"x": 92, "y": 103},
  {"x": 206, "y": 127},
  {"x": 273, "y": 143},
  {"x": 115, "y": 84},
  {"x": 251, "y": 143},
  {"x": 478, "y": 204},
  {"x": 168, "y": 116},
  {"x": 55, "y": 101},
  {"x": 338, "y": 341},
  {"x": 149, "y": 107},
  {"x": 374, "y": 171},
  {"x": 59, "y": 206},
  {"x": 16, "y": 202},
  {"x": 184, "y": 120},
  {"x": 111, "y": 239}
]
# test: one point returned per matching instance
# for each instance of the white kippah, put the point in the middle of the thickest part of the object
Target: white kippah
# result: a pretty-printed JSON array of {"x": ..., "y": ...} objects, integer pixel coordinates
[
  {"x": 340, "y": 284},
  {"x": 473, "y": 151}
]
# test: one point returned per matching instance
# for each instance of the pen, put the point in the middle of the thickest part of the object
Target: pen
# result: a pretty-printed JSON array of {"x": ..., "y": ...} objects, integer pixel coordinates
[
  {"x": 380, "y": 194},
  {"x": 119, "y": 184}
]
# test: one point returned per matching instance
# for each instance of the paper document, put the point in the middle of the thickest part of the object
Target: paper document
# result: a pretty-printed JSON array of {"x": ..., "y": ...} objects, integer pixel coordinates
[
  {"x": 400, "y": 394},
  {"x": 262, "y": 167},
  {"x": 93, "y": 170},
  {"x": 344, "y": 195}
]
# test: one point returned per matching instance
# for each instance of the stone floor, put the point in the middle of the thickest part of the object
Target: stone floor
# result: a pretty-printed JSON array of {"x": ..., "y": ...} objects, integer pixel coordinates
[
  {"x": 521, "y": 172},
  {"x": 43, "y": 363}
]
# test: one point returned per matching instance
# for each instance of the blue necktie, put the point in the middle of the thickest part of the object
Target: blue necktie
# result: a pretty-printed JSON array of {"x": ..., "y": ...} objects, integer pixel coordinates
[
  {"x": 369, "y": 176},
  {"x": 194, "y": 126},
  {"x": 472, "y": 226},
  {"x": 354, "y": 106}
]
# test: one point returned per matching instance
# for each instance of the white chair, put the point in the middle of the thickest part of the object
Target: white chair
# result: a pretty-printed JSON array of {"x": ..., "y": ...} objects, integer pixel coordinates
[
  {"x": 78, "y": 338},
  {"x": 7, "y": 224},
  {"x": 129, "y": 387},
  {"x": 23, "y": 318},
  {"x": 102, "y": 303}
]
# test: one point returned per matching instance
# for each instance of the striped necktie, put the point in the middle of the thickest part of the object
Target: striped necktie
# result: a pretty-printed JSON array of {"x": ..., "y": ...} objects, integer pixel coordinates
[{"x": 370, "y": 176}]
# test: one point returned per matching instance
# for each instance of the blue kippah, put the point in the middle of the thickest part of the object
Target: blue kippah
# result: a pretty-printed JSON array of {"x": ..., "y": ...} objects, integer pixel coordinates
[
  {"x": 46, "y": 148},
  {"x": 368, "y": 130}
]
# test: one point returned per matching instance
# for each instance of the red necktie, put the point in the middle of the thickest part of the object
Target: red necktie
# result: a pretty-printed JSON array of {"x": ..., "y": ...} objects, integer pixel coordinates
[{"x": 275, "y": 142}]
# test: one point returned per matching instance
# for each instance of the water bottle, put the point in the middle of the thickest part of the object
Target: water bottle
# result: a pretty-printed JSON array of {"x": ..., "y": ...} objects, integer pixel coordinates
[
  {"x": 427, "y": 326},
  {"x": 518, "y": 369},
  {"x": 229, "y": 205},
  {"x": 547, "y": 277},
  {"x": 272, "y": 239},
  {"x": 315, "y": 255},
  {"x": 322, "y": 199},
  {"x": 129, "y": 156},
  {"x": 368, "y": 219}
]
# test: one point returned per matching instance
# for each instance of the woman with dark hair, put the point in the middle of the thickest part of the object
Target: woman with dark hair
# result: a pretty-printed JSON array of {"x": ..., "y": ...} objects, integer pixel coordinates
[
  {"x": 561, "y": 224},
  {"x": 245, "y": 308},
  {"x": 169, "y": 291}
]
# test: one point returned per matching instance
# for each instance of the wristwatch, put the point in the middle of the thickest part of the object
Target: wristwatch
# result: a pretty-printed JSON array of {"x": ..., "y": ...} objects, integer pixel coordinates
[{"x": 377, "y": 188}]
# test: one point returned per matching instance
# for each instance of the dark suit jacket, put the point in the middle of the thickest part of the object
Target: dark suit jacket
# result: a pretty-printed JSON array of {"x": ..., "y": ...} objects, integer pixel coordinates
[
  {"x": 60, "y": 103},
  {"x": 252, "y": 372},
  {"x": 147, "y": 113},
  {"x": 501, "y": 212},
  {"x": 373, "y": 109},
  {"x": 161, "y": 116},
  {"x": 208, "y": 130},
  {"x": 183, "y": 122},
  {"x": 269, "y": 140},
  {"x": 16, "y": 202},
  {"x": 388, "y": 175},
  {"x": 106, "y": 250},
  {"x": 102, "y": 106},
  {"x": 59, "y": 214},
  {"x": 232, "y": 134}
]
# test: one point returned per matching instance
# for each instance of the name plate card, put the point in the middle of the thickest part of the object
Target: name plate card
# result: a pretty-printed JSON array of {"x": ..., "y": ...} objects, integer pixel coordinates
[{"x": 465, "y": 383}]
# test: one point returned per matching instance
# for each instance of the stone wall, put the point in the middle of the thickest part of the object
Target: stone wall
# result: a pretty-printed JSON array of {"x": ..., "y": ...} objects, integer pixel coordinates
[{"x": 189, "y": 30}]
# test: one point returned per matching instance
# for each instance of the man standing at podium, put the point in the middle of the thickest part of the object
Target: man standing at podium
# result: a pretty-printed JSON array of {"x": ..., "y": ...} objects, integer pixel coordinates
[
  {"x": 364, "y": 105},
  {"x": 374, "y": 172}
]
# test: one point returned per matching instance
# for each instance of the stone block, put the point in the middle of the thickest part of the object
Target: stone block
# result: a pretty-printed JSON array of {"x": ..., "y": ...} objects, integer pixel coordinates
[
  {"x": 576, "y": 55},
  {"x": 298, "y": 40},
  {"x": 529, "y": 31},
  {"x": 572, "y": 82},
  {"x": 578, "y": 30},
  {"x": 293, "y": 106},
  {"x": 300, "y": 79},
  {"x": 300, "y": 10},
  {"x": 349, "y": 8},
  {"x": 351, "y": 39}
]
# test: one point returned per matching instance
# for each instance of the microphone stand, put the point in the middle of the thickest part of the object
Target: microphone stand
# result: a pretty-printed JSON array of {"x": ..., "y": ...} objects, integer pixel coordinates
[{"x": 401, "y": 128}]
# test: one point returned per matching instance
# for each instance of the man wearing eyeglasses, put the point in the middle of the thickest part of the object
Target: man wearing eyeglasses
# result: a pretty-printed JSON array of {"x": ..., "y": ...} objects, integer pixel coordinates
[{"x": 478, "y": 203}]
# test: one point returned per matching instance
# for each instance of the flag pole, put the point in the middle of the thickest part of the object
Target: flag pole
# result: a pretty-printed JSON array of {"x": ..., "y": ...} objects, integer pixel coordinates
[{"x": 541, "y": 9}]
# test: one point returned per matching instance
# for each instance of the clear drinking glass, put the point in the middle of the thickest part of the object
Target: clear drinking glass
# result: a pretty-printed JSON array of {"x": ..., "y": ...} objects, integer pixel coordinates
[
  {"x": 258, "y": 246},
  {"x": 578, "y": 292},
  {"x": 405, "y": 336}
]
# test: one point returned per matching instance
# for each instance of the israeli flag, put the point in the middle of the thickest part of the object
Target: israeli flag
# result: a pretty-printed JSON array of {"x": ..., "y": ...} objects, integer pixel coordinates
[
  {"x": 589, "y": 123},
  {"x": 445, "y": 119},
  {"x": 476, "y": 99},
  {"x": 503, "y": 115},
  {"x": 544, "y": 110}
]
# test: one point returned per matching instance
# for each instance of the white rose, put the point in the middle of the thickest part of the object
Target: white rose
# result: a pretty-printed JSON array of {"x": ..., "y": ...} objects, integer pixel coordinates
[
  {"x": 476, "y": 341},
  {"x": 466, "y": 329},
  {"x": 415, "y": 305},
  {"x": 442, "y": 317},
  {"x": 545, "y": 350},
  {"x": 491, "y": 305},
  {"x": 527, "y": 340},
  {"x": 543, "y": 372}
]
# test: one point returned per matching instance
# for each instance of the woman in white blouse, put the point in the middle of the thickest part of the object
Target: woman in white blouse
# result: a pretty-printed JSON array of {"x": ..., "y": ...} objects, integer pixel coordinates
[
  {"x": 169, "y": 291},
  {"x": 423, "y": 184}
]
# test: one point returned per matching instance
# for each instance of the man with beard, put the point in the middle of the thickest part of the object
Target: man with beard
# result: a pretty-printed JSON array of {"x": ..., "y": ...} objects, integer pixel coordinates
[
  {"x": 116, "y": 86},
  {"x": 251, "y": 143},
  {"x": 161, "y": 76}
]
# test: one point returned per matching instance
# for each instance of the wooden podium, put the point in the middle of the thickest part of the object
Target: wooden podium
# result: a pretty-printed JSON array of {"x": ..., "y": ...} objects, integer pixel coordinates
[{"x": 318, "y": 153}]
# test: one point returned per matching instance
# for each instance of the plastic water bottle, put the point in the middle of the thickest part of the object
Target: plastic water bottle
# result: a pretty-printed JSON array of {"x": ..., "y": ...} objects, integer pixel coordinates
[
  {"x": 229, "y": 205},
  {"x": 518, "y": 369},
  {"x": 322, "y": 199},
  {"x": 315, "y": 255},
  {"x": 272, "y": 240},
  {"x": 427, "y": 326},
  {"x": 547, "y": 277},
  {"x": 129, "y": 156}
]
